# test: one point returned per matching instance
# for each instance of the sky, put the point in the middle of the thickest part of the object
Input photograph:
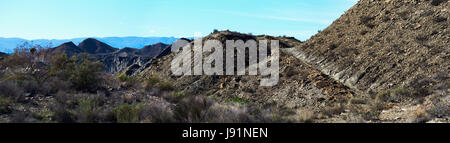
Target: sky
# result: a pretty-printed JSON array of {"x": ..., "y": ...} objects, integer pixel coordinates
[{"x": 65, "y": 19}]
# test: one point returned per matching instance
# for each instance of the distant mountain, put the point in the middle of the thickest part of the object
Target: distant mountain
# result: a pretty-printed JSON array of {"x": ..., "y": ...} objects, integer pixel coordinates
[
  {"x": 7, "y": 45},
  {"x": 131, "y": 60},
  {"x": 93, "y": 46},
  {"x": 68, "y": 48}
]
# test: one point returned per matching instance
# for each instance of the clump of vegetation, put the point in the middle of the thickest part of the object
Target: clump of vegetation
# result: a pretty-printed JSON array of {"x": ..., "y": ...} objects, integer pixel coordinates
[
  {"x": 124, "y": 78},
  {"x": 127, "y": 81},
  {"x": 357, "y": 101},
  {"x": 4, "y": 105},
  {"x": 82, "y": 73},
  {"x": 127, "y": 113},
  {"x": 335, "y": 109},
  {"x": 155, "y": 82},
  {"x": 237, "y": 99}
]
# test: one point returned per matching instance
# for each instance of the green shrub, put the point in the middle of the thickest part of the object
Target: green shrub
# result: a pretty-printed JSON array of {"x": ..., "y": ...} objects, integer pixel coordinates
[
  {"x": 86, "y": 110},
  {"x": 154, "y": 81},
  {"x": 127, "y": 113},
  {"x": 236, "y": 99},
  {"x": 83, "y": 74},
  {"x": 166, "y": 86},
  {"x": 124, "y": 78}
]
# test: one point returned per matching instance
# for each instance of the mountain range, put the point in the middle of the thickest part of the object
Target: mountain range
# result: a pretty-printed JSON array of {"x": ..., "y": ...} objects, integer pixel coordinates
[{"x": 7, "y": 45}]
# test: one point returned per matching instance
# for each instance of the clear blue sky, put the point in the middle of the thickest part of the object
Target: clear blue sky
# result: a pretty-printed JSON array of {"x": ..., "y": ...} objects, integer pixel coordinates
[{"x": 63, "y": 19}]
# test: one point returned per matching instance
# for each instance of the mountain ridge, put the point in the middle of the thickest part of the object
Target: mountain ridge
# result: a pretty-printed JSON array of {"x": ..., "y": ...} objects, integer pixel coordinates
[{"x": 7, "y": 45}]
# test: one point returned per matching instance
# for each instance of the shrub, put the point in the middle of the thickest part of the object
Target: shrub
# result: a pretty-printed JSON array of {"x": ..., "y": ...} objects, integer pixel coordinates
[
  {"x": 166, "y": 86},
  {"x": 11, "y": 90},
  {"x": 333, "y": 110},
  {"x": 357, "y": 101},
  {"x": 127, "y": 113},
  {"x": 440, "y": 109},
  {"x": 158, "y": 112},
  {"x": 236, "y": 99},
  {"x": 227, "y": 113},
  {"x": 124, "y": 78},
  {"x": 193, "y": 109},
  {"x": 62, "y": 114},
  {"x": 86, "y": 76},
  {"x": 127, "y": 81},
  {"x": 83, "y": 74},
  {"x": 419, "y": 116},
  {"x": 437, "y": 2},
  {"x": 86, "y": 110},
  {"x": 4, "y": 105},
  {"x": 154, "y": 81},
  {"x": 382, "y": 96}
]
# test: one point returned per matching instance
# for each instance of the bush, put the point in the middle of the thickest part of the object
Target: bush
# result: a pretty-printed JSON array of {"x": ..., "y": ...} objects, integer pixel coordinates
[
  {"x": 84, "y": 74},
  {"x": 86, "y": 110},
  {"x": 12, "y": 90},
  {"x": 127, "y": 113},
  {"x": 236, "y": 99},
  {"x": 157, "y": 112},
  {"x": 124, "y": 78},
  {"x": 333, "y": 110},
  {"x": 357, "y": 101},
  {"x": 4, "y": 105},
  {"x": 440, "y": 109},
  {"x": 154, "y": 81},
  {"x": 193, "y": 109},
  {"x": 127, "y": 81}
]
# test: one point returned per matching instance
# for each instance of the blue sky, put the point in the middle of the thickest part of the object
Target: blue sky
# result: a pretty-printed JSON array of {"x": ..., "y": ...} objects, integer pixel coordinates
[{"x": 63, "y": 19}]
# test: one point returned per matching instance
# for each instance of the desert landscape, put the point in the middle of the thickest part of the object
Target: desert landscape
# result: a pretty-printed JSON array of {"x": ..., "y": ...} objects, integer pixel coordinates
[{"x": 382, "y": 61}]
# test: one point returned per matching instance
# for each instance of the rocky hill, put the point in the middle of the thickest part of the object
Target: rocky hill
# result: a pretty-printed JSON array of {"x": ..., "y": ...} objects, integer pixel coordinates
[
  {"x": 383, "y": 44},
  {"x": 394, "y": 51},
  {"x": 301, "y": 87},
  {"x": 382, "y": 61}
]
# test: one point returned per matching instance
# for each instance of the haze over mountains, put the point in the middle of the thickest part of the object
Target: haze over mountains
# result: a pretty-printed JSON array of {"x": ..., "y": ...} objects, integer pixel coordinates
[{"x": 7, "y": 45}]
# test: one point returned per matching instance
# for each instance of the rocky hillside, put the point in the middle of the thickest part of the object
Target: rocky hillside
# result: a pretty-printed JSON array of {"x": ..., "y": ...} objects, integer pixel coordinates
[
  {"x": 394, "y": 51},
  {"x": 383, "y": 44},
  {"x": 301, "y": 87}
]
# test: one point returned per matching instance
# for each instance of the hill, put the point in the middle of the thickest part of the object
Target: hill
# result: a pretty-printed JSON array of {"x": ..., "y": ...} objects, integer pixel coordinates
[{"x": 379, "y": 45}]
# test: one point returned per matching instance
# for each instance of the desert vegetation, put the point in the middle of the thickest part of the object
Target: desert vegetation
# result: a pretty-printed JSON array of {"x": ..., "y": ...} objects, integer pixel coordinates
[{"x": 74, "y": 89}]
